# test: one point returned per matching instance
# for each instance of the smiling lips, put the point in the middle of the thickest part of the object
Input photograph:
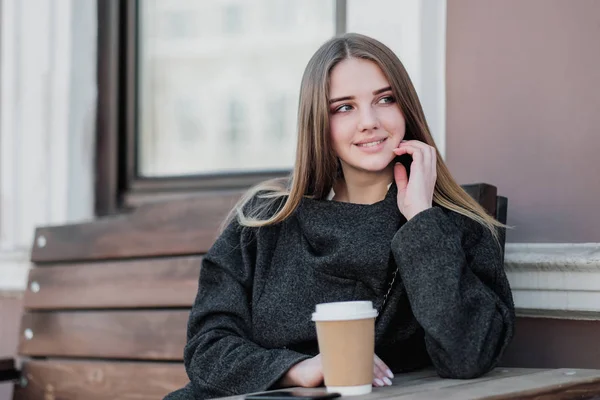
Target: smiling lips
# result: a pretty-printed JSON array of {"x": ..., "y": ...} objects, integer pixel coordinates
[{"x": 372, "y": 143}]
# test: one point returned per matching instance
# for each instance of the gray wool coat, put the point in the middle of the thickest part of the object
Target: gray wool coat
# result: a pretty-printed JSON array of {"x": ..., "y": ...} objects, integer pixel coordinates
[{"x": 450, "y": 307}]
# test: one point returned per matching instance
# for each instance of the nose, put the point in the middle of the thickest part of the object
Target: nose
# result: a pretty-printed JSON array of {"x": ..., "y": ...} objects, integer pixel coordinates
[{"x": 368, "y": 119}]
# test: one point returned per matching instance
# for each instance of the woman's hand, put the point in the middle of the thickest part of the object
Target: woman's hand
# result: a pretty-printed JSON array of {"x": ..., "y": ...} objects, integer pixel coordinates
[
  {"x": 415, "y": 194},
  {"x": 309, "y": 373},
  {"x": 382, "y": 374}
]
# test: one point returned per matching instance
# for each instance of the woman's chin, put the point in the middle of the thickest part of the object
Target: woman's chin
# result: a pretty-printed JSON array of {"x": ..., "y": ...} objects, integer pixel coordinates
[{"x": 382, "y": 166}]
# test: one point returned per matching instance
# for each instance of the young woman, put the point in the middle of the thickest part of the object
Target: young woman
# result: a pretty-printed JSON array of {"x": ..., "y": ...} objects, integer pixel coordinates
[{"x": 352, "y": 223}]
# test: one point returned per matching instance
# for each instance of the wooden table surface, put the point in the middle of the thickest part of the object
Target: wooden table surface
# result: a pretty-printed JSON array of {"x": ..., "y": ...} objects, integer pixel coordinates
[{"x": 501, "y": 383}]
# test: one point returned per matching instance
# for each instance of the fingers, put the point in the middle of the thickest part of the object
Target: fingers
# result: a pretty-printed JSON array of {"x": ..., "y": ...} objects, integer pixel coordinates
[
  {"x": 400, "y": 176},
  {"x": 416, "y": 145},
  {"x": 415, "y": 152},
  {"x": 381, "y": 373},
  {"x": 386, "y": 370},
  {"x": 420, "y": 152}
]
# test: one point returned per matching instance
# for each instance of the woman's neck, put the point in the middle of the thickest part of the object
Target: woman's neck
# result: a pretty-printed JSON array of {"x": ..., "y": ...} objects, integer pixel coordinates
[{"x": 363, "y": 187}]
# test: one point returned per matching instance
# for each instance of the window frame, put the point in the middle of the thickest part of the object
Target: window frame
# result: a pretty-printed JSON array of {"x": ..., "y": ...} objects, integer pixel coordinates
[{"x": 118, "y": 186}]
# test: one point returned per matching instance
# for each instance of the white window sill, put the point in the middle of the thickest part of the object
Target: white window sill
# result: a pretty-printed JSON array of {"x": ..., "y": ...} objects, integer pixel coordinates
[{"x": 548, "y": 279}]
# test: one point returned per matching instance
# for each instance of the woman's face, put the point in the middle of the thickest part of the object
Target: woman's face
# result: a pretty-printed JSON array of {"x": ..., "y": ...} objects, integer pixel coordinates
[{"x": 365, "y": 121}]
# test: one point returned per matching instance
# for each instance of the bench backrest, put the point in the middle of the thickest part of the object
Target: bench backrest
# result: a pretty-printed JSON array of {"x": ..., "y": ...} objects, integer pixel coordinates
[{"x": 107, "y": 301}]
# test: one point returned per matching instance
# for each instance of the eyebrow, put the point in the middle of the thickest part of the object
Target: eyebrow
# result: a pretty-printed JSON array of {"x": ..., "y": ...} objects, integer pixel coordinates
[{"x": 375, "y": 93}]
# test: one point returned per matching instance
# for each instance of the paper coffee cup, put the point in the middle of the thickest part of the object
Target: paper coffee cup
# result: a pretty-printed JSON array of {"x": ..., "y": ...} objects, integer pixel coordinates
[{"x": 346, "y": 336}]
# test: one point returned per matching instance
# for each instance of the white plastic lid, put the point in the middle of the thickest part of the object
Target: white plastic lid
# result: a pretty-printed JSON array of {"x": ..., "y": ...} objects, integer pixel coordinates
[
  {"x": 343, "y": 311},
  {"x": 351, "y": 390}
]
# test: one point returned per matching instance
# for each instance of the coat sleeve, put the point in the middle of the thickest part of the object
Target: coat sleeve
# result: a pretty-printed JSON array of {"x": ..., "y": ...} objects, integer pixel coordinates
[
  {"x": 220, "y": 357},
  {"x": 458, "y": 291}
]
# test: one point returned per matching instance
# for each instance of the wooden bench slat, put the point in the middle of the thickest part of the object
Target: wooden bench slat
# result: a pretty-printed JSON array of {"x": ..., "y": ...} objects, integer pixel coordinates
[
  {"x": 8, "y": 371},
  {"x": 89, "y": 380},
  {"x": 183, "y": 227},
  {"x": 541, "y": 385},
  {"x": 160, "y": 283},
  {"x": 179, "y": 227},
  {"x": 141, "y": 335},
  {"x": 484, "y": 194},
  {"x": 6, "y": 364}
]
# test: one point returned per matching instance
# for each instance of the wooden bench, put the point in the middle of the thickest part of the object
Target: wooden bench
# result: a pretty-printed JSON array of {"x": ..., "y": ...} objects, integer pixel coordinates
[{"x": 107, "y": 301}]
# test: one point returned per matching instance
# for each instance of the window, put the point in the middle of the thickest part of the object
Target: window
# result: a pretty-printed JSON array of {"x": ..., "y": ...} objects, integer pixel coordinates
[
  {"x": 201, "y": 95},
  {"x": 277, "y": 116},
  {"x": 232, "y": 19}
]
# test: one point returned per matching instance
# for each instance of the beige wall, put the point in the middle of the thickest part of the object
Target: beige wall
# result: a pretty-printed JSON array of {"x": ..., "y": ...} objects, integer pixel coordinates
[
  {"x": 11, "y": 307},
  {"x": 523, "y": 110}
]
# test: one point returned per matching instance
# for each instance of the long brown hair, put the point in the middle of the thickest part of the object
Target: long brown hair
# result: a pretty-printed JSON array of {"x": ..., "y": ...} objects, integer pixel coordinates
[{"x": 316, "y": 165}]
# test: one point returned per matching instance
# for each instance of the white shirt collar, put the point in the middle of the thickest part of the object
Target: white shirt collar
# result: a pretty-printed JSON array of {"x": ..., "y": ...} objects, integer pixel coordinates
[{"x": 331, "y": 194}]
